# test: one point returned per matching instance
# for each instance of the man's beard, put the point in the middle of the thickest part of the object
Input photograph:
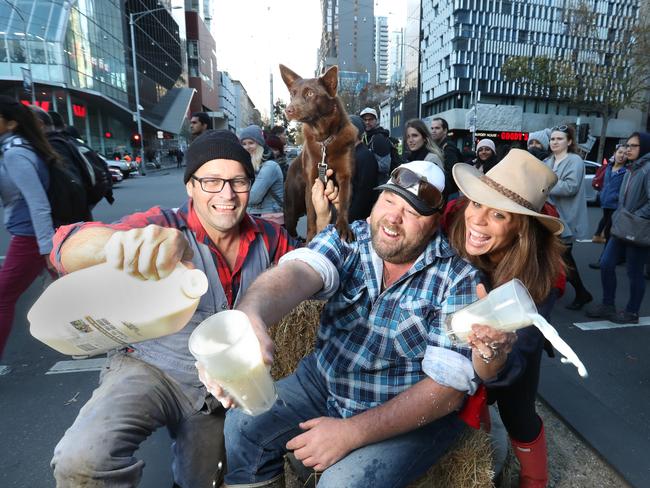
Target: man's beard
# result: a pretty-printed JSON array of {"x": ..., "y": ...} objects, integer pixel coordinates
[{"x": 398, "y": 253}]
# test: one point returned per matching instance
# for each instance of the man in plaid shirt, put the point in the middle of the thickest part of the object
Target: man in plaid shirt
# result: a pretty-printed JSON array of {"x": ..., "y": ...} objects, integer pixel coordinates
[
  {"x": 154, "y": 383},
  {"x": 375, "y": 405}
]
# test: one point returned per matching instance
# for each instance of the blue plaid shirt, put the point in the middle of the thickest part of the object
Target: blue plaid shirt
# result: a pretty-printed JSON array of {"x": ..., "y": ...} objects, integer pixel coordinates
[{"x": 371, "y": 344}]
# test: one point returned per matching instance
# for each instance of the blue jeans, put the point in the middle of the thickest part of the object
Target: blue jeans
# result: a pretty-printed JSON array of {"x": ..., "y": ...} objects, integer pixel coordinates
[
  {"x": 255, "y": 446},
  {"x": 635, "y": 259},
  {"x": 134, "y": 399}
]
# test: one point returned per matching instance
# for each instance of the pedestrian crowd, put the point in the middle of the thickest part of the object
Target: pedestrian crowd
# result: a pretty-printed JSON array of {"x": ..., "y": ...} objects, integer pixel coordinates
[{"x": 385, "y": 393}]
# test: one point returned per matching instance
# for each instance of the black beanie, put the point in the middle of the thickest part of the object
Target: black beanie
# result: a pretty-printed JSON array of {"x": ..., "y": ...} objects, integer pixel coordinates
[{"x": 216, "y": 144}]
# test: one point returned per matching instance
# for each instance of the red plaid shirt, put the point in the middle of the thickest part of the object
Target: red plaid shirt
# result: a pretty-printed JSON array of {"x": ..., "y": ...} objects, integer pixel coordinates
[{"x": 275, "y": 238}]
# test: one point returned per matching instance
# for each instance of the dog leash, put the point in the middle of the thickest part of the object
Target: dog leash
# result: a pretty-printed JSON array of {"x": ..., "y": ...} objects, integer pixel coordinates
[{"x": 322, "y": 166}]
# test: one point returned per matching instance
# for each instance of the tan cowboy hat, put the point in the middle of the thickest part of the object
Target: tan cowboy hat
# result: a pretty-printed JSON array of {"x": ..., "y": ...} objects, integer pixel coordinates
[{"x": 520, "y": 183}]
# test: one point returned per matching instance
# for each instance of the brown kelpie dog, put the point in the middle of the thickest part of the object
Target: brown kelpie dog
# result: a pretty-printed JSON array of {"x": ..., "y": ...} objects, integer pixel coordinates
[{"x": 329, "y": 139}]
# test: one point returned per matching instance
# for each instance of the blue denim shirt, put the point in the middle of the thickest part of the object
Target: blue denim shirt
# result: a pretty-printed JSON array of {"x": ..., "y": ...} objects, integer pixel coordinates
[
  {"x": 371, "y": 344},
  {"x": 267, "y": 192}
]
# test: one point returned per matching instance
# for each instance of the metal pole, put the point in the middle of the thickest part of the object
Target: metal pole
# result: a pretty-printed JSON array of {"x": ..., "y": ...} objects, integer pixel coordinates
[
  {"x": 137, "y": 95},
  {"x": 271, "y": 116},
  {"x": 476, "y": 78},
  {"x": 29, "y": 54}
]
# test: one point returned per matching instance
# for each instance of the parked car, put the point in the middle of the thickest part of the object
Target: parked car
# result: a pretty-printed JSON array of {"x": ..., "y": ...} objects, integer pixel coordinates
[
  {"x": 116, "y": 174},
  {"x": 291, "y": 152},
  {"x": 126, "y": 167},
  {"x": 590, "y": 171}
]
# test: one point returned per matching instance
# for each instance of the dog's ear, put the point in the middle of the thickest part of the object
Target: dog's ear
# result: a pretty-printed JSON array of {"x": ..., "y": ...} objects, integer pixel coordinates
[
  {"x": 331, "y": 80},
  {"x": 288, "y": 76}
]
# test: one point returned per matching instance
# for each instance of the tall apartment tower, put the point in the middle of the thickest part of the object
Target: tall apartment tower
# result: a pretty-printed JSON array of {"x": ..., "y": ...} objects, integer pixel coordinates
[
  {"x": 381, "y": 49},
  {"x": 396, "y": 57},
  {"x": 464, "y": 44},
  {"x": 348, "y": 40}
]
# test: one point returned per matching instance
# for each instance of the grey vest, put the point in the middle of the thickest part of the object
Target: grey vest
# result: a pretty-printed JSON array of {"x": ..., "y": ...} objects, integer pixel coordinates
[{"x": 171, "y": 354}]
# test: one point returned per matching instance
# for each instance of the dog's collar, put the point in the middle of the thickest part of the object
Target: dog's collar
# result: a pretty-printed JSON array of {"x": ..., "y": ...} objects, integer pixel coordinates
[{"x": 326, "y": 141}]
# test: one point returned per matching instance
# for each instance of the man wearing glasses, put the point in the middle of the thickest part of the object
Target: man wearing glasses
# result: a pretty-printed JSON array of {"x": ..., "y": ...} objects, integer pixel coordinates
[
  {"x": 375, "y": 404},
  {"x": 154, "y": 383}
]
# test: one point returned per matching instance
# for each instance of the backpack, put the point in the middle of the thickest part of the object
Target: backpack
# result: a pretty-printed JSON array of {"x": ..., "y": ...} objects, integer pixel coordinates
[
  {"x": 66, "y": 194},
  {"x": 103, "y": 182},
  {"x": 91, "y": 169}
]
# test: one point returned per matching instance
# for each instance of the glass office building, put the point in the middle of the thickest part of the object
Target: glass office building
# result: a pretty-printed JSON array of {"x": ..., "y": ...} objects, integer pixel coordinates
[{"x": 80, "y": 58}]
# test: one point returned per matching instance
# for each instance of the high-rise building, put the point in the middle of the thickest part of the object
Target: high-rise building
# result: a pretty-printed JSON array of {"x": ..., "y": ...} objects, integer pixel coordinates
[
  {"x": 465, "y": 43},
  {"x": 396, "y": 57},
  {"x": 81, "y": 65},
  {"x": 381, "y": 49},
  {"x": 348, "y": 41}
]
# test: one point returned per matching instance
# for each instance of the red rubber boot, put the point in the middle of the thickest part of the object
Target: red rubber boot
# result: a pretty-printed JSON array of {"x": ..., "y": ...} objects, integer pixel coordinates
[{"x": 533, "y": 461}]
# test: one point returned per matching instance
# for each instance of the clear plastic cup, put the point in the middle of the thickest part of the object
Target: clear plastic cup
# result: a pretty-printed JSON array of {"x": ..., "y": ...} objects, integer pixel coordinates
[
  {"x": 507, "y": 307},
  {"x": 227, "y": 347}
]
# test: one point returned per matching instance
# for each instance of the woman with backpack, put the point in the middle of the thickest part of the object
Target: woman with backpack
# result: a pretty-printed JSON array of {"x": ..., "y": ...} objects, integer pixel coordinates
[
  {"x": 267, "y": 193},
  {"x": 24, "y": 179}
]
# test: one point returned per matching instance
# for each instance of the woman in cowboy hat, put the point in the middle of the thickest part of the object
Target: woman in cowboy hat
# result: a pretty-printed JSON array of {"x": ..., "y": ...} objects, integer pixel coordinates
[{"x": 500, "y": 228}]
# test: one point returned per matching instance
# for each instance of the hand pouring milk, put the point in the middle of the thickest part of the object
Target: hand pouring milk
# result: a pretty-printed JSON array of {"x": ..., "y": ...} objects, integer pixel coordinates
[{"x": 96, "y": 309}]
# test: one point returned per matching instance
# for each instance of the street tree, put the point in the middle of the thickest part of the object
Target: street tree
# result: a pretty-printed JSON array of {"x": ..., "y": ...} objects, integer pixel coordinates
[{"x": 607, "y": 70}]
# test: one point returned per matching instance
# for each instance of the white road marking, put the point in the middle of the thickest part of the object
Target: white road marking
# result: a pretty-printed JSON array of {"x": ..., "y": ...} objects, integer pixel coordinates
[
  {"x": 606, "y": 324},
  {"x": 77, "y": 366},
  {"x": 4, "y": 369}
]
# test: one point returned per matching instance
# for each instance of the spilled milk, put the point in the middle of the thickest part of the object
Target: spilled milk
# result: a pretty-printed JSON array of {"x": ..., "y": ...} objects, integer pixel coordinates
[{"x": 558, "y": 343}]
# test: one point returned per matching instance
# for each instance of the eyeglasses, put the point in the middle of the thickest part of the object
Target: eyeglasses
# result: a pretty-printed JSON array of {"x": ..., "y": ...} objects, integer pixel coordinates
[
  {"x": 429, "y": 194},
  {"x": 215, "y": 185},
  {"x": 561, "y": 128},
  {"x": 631, "y": 146}
]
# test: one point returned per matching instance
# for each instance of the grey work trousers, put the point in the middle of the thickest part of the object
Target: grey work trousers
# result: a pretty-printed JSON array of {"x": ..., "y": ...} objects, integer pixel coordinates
[{"x": 132, "y": 400}]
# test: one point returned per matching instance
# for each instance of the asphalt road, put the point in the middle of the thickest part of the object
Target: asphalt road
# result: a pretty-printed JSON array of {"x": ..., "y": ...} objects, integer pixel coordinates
[{"x": 609, "y": 409}]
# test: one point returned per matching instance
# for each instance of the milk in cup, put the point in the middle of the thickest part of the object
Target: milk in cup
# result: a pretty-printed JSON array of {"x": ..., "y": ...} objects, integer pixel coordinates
[
  {"x": 99, "y": 308},
  {"x": 227, "y": 347},
  {"x": 509, "y": 307}
]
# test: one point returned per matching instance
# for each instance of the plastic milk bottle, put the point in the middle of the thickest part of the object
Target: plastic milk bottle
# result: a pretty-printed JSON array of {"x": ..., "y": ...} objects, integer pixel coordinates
[{"x": 96, "y": 309}]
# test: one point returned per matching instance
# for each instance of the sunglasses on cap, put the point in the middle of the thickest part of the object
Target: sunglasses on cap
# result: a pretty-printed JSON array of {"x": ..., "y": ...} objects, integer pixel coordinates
[
  {"x": 561, "y": 128},
  {"x": 427, "y": 193}
]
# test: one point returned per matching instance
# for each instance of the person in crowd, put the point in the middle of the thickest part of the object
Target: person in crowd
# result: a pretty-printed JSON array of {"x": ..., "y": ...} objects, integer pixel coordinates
[
  {"x": 467, "y": 154},
  {"x": 199, "y": 123},
  {"x": 179, "y": 157},
  {"x": 634, "y": 197},
  {"x": 367, "y": 401},
  {"x": 538, "y": 143},
  {"x": 154, "y": 383},
  {"x": 365, "y": 176},
  {"x": 281, "y": 132},
  {"x": 420, "y": 144},
  {"x": 568, "y": 196},
  {"x": 376, "y": 139},
  {"x": 439, "y": 132},
  {"x": 24, "y": 180},
  {"x": 277, "y": 147},
  {"x": 500, "y": 227},
  {"x": 608, "y": 196},
  {"x": 266, "y": 197},
  {"x": 486, "y": 155}
]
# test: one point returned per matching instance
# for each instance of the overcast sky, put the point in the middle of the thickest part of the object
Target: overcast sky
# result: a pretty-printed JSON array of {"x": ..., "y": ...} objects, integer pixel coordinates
[{"x": 254, "y": 36}]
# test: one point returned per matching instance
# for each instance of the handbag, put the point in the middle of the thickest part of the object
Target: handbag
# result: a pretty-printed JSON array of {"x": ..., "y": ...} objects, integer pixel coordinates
[
  {"x": 631, "y": 228},
  {"x": 599, "y": 178}
]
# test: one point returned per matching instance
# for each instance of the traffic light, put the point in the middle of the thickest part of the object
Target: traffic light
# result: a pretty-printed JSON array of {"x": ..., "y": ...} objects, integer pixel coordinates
[
  {"x": 108, "y": 135},
  {"x": 136, "y": 140}
]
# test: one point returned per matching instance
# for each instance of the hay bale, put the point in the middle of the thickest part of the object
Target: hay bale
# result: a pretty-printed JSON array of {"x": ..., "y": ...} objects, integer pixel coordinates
[
  {"x": 468, "y": 465},
  {"x": 294, "y": 337}
]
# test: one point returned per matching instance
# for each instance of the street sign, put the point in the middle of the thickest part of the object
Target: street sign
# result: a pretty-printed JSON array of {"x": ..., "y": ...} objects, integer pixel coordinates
[
  {"x": 160, "y": 134},
  {"x": 27, "y": 79}
]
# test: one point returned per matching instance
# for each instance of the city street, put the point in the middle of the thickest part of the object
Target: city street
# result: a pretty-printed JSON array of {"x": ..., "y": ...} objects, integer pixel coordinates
[{"x": 609, "y": 409}]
